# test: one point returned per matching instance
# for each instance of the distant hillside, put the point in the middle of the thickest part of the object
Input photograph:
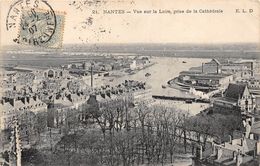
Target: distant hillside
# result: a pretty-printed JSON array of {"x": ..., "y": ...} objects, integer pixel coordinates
[{"x": 244, "y": 50}]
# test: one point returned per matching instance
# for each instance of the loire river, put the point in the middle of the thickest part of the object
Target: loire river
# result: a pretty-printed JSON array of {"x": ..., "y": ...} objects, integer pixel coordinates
[{"x": 165, "y": 69}]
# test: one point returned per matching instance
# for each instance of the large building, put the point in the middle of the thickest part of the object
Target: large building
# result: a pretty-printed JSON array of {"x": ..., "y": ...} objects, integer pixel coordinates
[
  {"x": 236, "y": 97},
  {"x": 236, "y": 152},
  {"x": 205, "y": 79},
  {"x": 213, "y": 66},
  {"x": 64, "y": 108},
  {"x": 55, "y": 73},
  {"x": 76, "y": 106},
  {"x": 241, "y": 68},
  {"x": 241, "y": 149},
  {"x": 253, "y": 85},
  {"x": 134, "y": 92}
]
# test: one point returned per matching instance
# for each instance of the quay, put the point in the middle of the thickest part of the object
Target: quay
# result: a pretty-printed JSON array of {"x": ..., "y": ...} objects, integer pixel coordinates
[{"x": 193, "y": 99}]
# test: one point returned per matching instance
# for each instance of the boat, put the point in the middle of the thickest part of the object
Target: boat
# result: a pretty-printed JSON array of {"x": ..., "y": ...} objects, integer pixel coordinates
[
  {"x": 132, "y": 72},
  {"x": 188, "y": 101},
  {"x": 147, "y": 74},
  {"x": 163, "y": 86},
  {"x": 184, "y": 62}
]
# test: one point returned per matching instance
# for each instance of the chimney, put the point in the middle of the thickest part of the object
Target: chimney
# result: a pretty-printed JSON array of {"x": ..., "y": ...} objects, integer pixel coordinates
[
  {"x": 252, "y": 120},
  {"x": 213, "y": 148},
  {"x": 230, "y": 139},
  {"x": 234, "y": 155},
  {"x": 257, "y": 148},
  {"x": 202, "y": 68},
  {"x": 252, "y": 68},
  {"x": 91, "y": 70},
  {"x": 219, "y": 153},
  {"x": 200, "y": 152},
  {"x": 239, "y": 158}
]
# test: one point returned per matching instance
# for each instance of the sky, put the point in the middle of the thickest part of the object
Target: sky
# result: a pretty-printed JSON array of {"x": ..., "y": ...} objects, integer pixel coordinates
[{"x": 81, "y": 26}]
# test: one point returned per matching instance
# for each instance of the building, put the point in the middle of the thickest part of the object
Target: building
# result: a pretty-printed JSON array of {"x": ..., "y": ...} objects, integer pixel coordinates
[
  {"x": 114, "y": 102},
  {"x": 236, "y": 152},
  {"x": 253, "y": 85},
  {"x": 86, "y": 66},
  {"x": 134, "y": 92},
  {"x": 7, "y": 80},
  {"x": 242, "y": 149},
  {"x": 241, "y": 68},
  {"x": 55, "y": 73},
  {"x": 64, "y": 108},
  {"x": 133, "y": 65},
  {"x": 205, "y": 79},
  {"x": 120, "y": 97},
  {"x": 236, "y": 97},
  {"x": 213, "y": 66},
  {"x": 106, "y": 67},
  {"x": 30, "y": 112}
]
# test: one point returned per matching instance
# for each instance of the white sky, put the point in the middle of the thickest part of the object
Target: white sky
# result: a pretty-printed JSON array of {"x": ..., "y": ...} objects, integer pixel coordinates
[{"x": 154, "y": 28}]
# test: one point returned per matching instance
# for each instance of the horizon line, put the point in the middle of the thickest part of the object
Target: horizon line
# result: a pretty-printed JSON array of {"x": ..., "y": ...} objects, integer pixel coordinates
[{"x": 145, "y": 43}]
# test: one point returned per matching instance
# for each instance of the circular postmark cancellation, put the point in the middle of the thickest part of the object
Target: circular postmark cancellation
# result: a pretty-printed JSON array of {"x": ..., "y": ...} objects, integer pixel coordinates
[{"x": 32, "y": 21}]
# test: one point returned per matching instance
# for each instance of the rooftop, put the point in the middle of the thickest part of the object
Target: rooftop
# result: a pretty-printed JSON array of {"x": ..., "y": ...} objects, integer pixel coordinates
[{"x": 235, "y": 91}]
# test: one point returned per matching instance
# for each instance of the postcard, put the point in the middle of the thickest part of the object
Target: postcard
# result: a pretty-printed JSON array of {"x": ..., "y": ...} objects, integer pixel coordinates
[{"x": 129, "y": 82}]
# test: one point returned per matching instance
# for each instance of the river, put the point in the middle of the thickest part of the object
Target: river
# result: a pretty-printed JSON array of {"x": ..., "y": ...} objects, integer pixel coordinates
[{"x": 165, "y": 69}]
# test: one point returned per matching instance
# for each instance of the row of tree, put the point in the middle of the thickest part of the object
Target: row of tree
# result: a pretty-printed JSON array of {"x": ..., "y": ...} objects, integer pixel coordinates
[{"x": 128, "y": 136}]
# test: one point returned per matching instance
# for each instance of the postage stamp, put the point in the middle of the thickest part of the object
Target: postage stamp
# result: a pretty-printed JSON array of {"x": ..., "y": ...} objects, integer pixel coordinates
[
  {"x": 41, "y": 28},
  {"x": 35, "y": 23}
]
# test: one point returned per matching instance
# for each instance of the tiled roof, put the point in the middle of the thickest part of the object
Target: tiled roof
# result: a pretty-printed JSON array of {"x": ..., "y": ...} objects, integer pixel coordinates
[
  {"x": 6, "y": 106},
  {"x": 235, "y": 91},
  {"x": 64, "y": 102}
]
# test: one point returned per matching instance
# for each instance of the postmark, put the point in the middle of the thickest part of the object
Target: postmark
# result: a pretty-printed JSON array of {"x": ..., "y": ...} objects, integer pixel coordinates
[
  {"x": 36, "y": 26},
  {"x": 35, "y": 23}
]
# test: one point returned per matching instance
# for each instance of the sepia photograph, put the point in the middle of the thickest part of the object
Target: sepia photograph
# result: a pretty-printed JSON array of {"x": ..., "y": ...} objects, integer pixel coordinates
[{"x": 129, "y": 82}]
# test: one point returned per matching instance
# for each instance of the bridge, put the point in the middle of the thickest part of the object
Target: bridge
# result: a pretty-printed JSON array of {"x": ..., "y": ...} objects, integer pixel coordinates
[{"x": 193, "y": 99}]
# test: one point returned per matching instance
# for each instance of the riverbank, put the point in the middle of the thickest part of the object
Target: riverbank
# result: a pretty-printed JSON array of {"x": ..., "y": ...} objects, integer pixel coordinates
[
  {"x": 123, "y": 72},
  {"x": 175, "y": 81}
]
